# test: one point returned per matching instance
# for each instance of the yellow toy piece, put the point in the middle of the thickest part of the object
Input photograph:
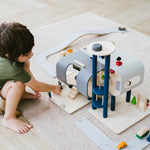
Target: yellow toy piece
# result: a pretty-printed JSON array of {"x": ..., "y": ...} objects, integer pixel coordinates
[{"x": 122, "y": 145}]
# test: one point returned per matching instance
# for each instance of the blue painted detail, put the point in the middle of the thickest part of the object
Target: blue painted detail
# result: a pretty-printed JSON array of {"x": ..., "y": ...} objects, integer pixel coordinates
[
  {"x": 113, "y": 98},
  {"x": 49, "y": 94},
  {"x": 106, "y": 85},
  {"x": 93, "y": 107},
  {"x": 102, "y": 57},
  {"x": 94, "y": 79},
  {"x": 128, "y": 95},
  {"x": 118, "y": 85},
  {"x": 148, "y": 138},
  {"x": 94, "y": 71},
  {"x": 60, "y": 85},
  {"x": 97, "y": 103},
  {"x": 98, "y": 90},
  {"x": 102, "y": 90},
  {"x": 89, "y": 98}
]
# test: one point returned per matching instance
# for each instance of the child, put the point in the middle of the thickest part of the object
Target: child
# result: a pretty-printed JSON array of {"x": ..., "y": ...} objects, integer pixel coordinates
[{"x": 16, "y": 43}]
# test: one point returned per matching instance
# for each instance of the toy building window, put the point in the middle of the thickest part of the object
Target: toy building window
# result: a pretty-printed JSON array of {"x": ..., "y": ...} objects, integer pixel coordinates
[{"x": 132, "y": 81}]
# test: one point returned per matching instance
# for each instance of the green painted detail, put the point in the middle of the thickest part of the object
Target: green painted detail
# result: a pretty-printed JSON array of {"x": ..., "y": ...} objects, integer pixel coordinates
[
  {"x": 102, "y": 76},
  {"x": 140, "y": 137}
]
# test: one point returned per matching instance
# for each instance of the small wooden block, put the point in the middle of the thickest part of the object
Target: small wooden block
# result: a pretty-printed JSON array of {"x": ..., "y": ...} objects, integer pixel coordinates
[
  {"x": 121, "y": 28},
  {"x": 74, "y": 90},
  {"x": 62, "y": 54},
  {"x": 84, "y": 47},
  {"x": 142, "y": 130},
  {"x": 72, "y": 96},
  {"x": 73, "y": 93}
]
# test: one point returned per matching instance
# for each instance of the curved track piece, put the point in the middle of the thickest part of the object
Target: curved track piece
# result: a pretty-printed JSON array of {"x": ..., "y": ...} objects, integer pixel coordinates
[{"x": 41, "y": 59}]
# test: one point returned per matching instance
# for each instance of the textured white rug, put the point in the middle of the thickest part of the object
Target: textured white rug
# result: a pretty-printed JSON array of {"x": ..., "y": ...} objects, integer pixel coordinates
[{"x": 53, "y": 122}]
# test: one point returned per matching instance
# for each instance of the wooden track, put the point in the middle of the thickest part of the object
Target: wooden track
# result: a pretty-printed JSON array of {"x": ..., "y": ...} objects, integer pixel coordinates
[{"x": 42, "y": 61}]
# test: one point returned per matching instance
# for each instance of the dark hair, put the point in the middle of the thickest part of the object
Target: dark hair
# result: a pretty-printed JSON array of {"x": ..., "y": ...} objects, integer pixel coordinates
[{"x": 15, "y": 39}]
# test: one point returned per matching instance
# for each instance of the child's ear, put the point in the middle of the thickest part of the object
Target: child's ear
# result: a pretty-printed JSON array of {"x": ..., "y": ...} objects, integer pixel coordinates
[{"x": 7, "y": 55}]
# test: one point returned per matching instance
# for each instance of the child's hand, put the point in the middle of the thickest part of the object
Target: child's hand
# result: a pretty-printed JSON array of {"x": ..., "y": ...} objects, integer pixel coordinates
[
  {"x": 37, "y": 93},
  {"x": 57, "y": 89}
]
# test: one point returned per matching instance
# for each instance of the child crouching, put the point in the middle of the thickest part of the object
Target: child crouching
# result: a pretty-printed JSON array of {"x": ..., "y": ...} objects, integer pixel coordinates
[{"x": 16, "y": 43}]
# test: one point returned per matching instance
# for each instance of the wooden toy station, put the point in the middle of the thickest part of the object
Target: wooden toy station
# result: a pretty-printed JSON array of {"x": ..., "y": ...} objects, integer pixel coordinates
[
  {"x": 102, "y": 74},
  {"x": 99, "y": 70}
]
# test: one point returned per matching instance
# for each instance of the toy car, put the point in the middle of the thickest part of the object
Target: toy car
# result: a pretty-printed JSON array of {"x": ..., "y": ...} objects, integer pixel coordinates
[
  {"x": 122, "y": 145},
  {"x": 142, "y": 132}
]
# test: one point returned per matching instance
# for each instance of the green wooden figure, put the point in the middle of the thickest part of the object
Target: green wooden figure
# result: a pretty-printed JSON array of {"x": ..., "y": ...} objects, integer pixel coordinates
[{"x": 133, "y": 101}]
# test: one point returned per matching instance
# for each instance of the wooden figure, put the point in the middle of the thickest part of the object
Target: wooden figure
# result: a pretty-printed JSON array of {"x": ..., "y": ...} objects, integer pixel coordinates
[
  {"x": 118, "y": 61},
  {"x": 142, "y": 132},
  {"x": 139, "y": 97},
  {"x": 73, "y": 93}
]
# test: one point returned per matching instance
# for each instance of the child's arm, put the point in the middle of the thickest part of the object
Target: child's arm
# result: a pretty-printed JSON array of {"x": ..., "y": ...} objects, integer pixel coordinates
[{"x": 40, "y": 86}]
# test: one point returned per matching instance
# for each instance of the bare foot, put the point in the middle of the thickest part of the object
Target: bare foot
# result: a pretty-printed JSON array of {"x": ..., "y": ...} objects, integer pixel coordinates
[
  {"x": 27, "y": 95},
  {"x": 16, "y": 125}
]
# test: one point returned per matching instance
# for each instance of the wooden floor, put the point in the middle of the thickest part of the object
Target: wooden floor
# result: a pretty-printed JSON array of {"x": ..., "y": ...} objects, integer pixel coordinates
[{"x": 36, "y": 13}]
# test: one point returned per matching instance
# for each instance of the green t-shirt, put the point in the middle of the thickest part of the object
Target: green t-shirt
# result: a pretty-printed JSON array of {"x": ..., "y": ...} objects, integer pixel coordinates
[{"x": 12, "y": 71}]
